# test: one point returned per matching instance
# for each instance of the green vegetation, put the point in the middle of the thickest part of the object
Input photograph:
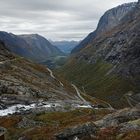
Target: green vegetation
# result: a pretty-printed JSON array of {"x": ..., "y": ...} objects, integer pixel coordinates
[
  {"x": 97, "y": 82},
  {"x": 53, "y": 122}
]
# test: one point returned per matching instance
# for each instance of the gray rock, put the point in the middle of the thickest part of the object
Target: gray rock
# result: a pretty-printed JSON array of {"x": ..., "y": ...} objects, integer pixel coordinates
[
  {"x": 29, "y": 123},
  {"x": 110, "y": 19},
  {"x": 119, "y": 117},
  {"x": 78, "y": 131},
  {"x": 129, "y": 127}
]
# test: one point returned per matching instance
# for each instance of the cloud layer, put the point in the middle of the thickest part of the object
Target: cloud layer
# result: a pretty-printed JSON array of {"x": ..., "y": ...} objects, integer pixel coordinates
[{"x": 54, "y": 19}]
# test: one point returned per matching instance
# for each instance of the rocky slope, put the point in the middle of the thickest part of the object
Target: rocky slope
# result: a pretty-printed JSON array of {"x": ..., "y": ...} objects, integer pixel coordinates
[
  {"x": 108, "y": 67},
  {"x": 27, "y": 87},
  {"x": 33, "y": 47},
  {"x": 35, "y": 104},
  {"x": 25, "y": 83},
  {"x": 120, "y": 125},
  {"x": 110, "y": 19}
]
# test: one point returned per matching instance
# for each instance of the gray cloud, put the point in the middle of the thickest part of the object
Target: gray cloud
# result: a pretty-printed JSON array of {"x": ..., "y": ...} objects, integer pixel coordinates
[{"x": 54, "y": 19}]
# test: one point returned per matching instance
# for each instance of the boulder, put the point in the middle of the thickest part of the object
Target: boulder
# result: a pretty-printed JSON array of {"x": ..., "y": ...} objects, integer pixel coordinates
[
  {"x": 77, "y": 132},
  {"x": 121, "y": 116}
]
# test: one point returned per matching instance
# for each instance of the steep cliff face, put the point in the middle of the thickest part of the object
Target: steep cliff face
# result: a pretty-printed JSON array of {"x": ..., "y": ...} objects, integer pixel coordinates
[
  {"x": 120, "y": 46},
  {"x": 109, "y": 66},
  {"x": 110, "y": 19},
  {"x": 33, "y": 47}
]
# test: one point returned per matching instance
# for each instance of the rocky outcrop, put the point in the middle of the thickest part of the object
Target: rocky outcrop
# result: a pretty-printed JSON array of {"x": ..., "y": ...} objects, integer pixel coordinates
[
  {"x": 77, "y": 132},
  {"x": 119, "y": 117},
  {"x": 121, "y": 122},
  {"x": 27, "y": 123}
]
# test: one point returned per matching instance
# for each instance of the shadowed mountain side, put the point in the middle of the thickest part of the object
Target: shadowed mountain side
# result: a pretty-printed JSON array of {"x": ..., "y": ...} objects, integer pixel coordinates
[{"x": 33, "y": 47}]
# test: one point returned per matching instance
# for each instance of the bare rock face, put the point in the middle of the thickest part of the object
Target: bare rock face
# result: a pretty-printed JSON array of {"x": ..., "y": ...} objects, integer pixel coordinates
[
  {"x": 108, "y": 21},
  {"x": 112, "y": 17}
]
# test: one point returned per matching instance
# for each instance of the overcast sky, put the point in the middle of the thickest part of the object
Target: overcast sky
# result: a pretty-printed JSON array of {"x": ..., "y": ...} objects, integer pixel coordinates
[{"x": 54, "y": 19}]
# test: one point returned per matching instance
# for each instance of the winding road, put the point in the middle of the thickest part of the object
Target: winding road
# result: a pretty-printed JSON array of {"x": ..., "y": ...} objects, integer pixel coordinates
[
  {"x": 51, "y": 74},
  {"x": 78, "y": 93}
]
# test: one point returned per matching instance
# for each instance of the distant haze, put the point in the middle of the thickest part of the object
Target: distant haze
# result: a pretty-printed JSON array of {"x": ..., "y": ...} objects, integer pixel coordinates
[
  {"x": 54, "y": 19},
  {"x": 65, "y": 46}
]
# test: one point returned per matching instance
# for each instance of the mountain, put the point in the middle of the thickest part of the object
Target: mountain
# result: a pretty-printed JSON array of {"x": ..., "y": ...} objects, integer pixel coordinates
[
  {"x": 36, "y": 104},
  {"x": 109, "y": 66},
  {"x": 65, "y": 46},
  {"x": 110, "y": 19},
  {"x": 33, "y": 47}
]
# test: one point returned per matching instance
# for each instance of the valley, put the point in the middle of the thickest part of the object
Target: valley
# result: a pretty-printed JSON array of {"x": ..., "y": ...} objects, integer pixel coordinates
[{"x": 71, "y": 90}]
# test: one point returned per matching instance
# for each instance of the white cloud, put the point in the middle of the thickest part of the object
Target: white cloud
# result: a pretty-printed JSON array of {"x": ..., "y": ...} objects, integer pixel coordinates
[{"x": 54, "y": 19}]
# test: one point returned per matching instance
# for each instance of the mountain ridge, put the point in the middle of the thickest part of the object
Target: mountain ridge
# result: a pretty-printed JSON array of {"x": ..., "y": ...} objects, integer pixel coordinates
[
  {"x": 33, "y": 46},
  {"x": 110, "y": 19}
]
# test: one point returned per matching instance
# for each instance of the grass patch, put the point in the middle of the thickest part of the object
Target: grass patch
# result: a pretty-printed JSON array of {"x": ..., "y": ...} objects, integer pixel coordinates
[{"x": 97, "y": 82}]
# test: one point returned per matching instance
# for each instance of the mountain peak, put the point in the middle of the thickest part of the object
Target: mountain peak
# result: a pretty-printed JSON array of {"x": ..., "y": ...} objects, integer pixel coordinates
[
  {"x": 108, "y": 21},
  {"x": 31, "y": 35}
]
